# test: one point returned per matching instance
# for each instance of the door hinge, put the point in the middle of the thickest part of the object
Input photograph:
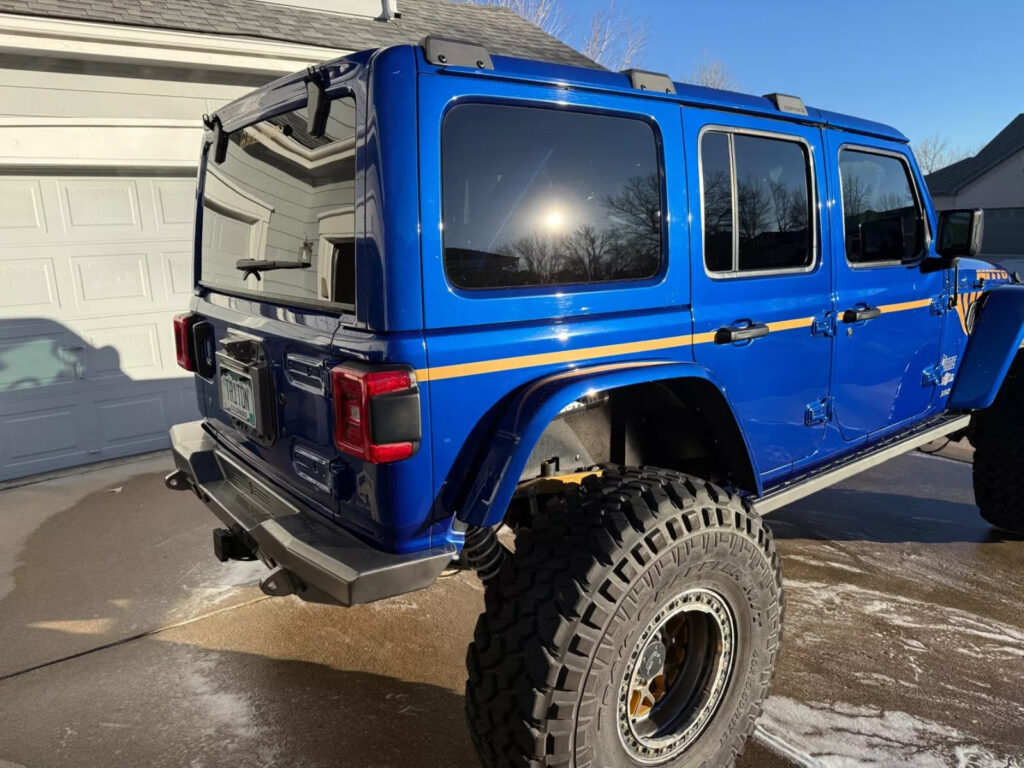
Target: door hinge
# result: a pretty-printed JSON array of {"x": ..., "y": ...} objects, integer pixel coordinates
[
  {"x": 935, "y": 375},
  {"x": 941, "y": 304},
  {"x": 824, "y": 324},
  {"x": 818, "y": 412}
]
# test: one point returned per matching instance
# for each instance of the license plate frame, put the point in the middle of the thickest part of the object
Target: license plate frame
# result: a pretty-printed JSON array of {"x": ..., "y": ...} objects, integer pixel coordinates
[{"x": 237, "y": 396}]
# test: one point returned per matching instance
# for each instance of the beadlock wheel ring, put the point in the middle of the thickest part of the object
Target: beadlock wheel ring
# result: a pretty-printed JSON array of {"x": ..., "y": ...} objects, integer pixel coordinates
[{"x": 676, "y": 676}]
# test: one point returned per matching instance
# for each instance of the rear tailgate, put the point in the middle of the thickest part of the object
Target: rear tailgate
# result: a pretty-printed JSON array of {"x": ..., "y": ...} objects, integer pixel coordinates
[{"x": 276, "y": 264}]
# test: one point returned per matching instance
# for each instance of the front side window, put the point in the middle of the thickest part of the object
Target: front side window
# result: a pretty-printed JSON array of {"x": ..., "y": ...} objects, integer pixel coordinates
[
  {"x": 282, "y": 196},
  {"x": 882, "y": 219},
  {"x": 545, "y": 197},
  {"x": 757, "y": 207}
]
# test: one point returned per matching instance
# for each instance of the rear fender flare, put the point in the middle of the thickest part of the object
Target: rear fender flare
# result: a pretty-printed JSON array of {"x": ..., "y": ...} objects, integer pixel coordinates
[
  {"x": 528, "y": 414},
  {"x": 994, "y": 343}
]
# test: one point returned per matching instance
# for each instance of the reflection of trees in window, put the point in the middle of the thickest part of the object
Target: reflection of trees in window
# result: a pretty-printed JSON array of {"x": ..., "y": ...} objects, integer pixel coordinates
[
  {"x": 856, "y": 194},
  {"x": 866, "y": 203},
  {"x": 628, "y": 247}
]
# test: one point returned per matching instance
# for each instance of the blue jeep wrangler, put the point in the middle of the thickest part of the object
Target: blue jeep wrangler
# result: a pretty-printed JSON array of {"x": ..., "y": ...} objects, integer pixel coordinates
[{"x": 438, "y": 291}]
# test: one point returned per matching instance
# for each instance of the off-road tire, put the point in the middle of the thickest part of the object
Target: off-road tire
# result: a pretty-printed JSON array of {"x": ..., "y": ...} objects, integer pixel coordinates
[
  {"x": 998, "y": 438},
  {"x": 567, "y": 610}
]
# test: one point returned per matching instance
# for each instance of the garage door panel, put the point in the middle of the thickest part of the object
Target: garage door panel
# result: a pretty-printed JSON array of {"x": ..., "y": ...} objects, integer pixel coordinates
[
  {"x": 123, "y": 351},
  {"x": 177, "y": 275},
  {"x": 27, "y": 285},
  {"x": 21, "y": 210},
  {"x": 102, "y": 207},
  {"x": 111, "y": 282},
  {"x": 43, "y": 436},
  {"x": 137, "y": 420},
  {"x": 175, "y": 206},
  {"x": 35, "y": 357}
]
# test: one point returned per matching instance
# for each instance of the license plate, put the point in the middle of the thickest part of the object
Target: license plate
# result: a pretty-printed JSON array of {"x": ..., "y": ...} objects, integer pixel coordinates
[{"x": 236, "y": 396}]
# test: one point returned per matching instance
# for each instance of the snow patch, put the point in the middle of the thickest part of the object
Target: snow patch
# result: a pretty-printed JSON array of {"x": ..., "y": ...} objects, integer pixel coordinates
[{"x": 841, "y": 735}]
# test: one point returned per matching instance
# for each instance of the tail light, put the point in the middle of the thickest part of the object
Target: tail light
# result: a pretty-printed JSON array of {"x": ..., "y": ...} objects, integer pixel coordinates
[
  {"x": 376, "y": 412},
  {"x": 184, "y": 345}
]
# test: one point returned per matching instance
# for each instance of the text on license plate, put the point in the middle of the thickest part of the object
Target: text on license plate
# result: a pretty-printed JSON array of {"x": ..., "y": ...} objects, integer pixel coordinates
[{"x": 236, "y": 396}]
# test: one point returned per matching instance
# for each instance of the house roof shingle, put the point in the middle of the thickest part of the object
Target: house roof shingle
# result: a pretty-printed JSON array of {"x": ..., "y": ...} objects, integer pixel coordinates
[
  {"x": 498, "y": 29},
  {"x": 953, "y": 178}
]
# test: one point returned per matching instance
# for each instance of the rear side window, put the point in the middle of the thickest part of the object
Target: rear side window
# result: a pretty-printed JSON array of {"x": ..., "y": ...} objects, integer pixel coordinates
[
  {"x": 284, "y": 196},
  {"x": 544, "y": 197},
  {"x": 882, "y": 218},
  {"x": 757, "y": 203}
]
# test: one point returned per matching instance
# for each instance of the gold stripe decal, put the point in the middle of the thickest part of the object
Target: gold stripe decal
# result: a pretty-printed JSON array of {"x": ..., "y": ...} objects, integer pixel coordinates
[
  {"x": 549, "y": 358},
  {"x": 905, "y": 306},
  {"x": 613, "y": 350}
]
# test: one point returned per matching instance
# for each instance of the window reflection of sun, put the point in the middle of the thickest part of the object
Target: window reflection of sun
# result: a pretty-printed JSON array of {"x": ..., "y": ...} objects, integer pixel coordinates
[{"x": 554, "y": 219}]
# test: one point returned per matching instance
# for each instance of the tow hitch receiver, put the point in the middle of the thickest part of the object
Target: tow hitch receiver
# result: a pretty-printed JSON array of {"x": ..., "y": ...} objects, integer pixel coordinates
[{"x": 229, "y": 546}]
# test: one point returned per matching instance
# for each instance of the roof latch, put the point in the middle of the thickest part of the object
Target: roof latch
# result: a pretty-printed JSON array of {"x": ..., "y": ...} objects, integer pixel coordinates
[
  {"x": 446, "y": 52},
  {"x": 316, "y": 103},
  {"x": 643, "y": 80}
]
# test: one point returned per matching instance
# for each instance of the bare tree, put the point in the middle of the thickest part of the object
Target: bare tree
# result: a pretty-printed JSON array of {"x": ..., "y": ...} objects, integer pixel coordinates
[
  {"x": 549, "y": 15},
  {"x": 616, "y": 39},
  {"x": 933, "y": 152},
  {"x": 712, "y": 73}
]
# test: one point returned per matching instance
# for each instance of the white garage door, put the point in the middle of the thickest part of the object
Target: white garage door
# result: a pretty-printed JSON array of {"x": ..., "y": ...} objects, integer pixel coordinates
[{"x": 92, "y": 270}]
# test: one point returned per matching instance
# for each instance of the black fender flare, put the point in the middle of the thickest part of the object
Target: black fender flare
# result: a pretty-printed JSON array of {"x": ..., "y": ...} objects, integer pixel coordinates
[{"x": 529, "y": 413}]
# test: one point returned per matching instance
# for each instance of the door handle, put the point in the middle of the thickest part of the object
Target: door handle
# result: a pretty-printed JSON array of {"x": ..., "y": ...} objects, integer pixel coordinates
[
  {"x": 862, "y": 314},
  {"x": 730, "y": 334}
]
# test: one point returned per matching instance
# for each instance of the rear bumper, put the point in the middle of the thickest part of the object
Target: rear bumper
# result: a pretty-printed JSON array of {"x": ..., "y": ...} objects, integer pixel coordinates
[{"x": 321, "y": 560}]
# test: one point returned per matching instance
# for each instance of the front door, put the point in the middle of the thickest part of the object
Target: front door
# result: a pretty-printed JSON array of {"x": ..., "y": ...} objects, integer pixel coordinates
[
  {"x": 761, "y": 278},
  {"x": 889, "y": 312}
]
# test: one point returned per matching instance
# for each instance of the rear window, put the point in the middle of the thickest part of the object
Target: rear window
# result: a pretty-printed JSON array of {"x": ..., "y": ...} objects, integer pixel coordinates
[
  {"x": 757, "y": 206},
  {"x": 283, "y": 196},
  {"x": 544, "y": 197}
]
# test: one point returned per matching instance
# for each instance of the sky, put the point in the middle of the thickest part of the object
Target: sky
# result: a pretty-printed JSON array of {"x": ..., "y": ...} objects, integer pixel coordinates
[{"x": 925, "y": 67}]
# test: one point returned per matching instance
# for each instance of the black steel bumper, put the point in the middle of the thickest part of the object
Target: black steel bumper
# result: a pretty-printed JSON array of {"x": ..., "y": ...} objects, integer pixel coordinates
[{"x": 318, "y": 560}]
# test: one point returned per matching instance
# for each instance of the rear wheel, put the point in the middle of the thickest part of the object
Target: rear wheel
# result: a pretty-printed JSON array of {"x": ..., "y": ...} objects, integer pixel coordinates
[
  {"x": 637, "y": 624},
  {"x": 998, "y": 438}
]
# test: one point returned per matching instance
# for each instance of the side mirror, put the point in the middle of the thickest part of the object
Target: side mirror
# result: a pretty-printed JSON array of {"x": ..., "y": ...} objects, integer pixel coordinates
[{"x": 960, "y": 232}]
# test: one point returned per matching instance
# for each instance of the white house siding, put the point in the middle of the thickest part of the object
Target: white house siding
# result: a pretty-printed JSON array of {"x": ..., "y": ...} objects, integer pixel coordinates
[
  {"x": 99, "y": 139},
  {"x": 1000, "y": 192}
]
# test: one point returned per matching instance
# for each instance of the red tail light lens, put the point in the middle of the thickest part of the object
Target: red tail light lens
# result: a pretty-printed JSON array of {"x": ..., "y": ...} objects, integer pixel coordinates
[
  {"x": 359, "y": 401},
  {"x": 184, "y": 347}
]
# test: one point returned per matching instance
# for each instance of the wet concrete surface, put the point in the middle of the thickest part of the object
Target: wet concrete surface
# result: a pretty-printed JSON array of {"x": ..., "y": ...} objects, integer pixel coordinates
[{"x": 904, "y": 640}]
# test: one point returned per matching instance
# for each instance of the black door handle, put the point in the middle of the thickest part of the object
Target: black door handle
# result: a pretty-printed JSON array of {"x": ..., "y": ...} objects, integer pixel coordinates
[
  {"x": 859, "y": 315},
  {"x": 731, "y": 333}
]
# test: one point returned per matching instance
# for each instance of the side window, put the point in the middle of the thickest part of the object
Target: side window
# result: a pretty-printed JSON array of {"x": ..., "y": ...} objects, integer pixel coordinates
[
  {"x": 758, "y": 212},
  {"x": 882, "y": 219},
  {"x": 546, "y": 197}
]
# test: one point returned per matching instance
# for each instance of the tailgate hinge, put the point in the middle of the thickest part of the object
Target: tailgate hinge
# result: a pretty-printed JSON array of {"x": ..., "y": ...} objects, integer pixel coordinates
[{"x": 818, "y": 412}]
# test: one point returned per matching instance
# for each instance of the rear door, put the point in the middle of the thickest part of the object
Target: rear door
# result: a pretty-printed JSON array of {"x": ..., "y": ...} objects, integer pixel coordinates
[
  {"x": 283, "y": 198},
  {"x": 761, "y": 279},
  {"x": 889, "y": 311}
]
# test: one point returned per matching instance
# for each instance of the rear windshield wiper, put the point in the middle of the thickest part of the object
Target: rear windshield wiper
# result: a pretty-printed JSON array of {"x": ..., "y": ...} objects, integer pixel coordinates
[{"x": 255, "y": 266}]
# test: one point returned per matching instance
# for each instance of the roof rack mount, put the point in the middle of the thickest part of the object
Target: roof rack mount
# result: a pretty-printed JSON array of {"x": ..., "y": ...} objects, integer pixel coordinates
[{"x": 447, "y": 52}]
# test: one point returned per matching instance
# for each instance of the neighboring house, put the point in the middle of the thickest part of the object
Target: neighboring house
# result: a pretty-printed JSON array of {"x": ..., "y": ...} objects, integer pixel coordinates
[
  {"x": 994, "y": 180},
  {"x": 100, "y": 126}
]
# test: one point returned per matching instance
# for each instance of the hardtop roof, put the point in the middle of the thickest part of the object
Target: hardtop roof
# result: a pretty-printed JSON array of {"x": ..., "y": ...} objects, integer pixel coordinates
[{"x": 529, "y": 70}]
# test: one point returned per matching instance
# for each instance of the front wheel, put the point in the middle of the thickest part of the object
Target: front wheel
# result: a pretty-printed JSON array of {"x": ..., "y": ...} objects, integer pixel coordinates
[
  {"x": 998, "y": 440},
  {"x": 637, "y": 624}
]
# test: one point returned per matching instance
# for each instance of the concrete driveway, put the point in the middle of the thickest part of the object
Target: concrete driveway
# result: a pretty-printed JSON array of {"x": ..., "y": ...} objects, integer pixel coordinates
[{"x": 123, "y": 642}]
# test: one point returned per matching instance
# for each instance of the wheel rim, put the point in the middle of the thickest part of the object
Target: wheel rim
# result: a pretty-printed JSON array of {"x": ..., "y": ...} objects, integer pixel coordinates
[{"x": 677, "y": 676}]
